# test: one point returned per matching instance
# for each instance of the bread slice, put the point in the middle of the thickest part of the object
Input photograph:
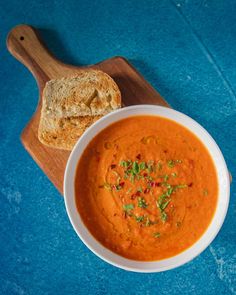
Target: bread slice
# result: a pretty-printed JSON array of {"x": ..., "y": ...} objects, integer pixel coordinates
[{"x": 72, "y": 104}]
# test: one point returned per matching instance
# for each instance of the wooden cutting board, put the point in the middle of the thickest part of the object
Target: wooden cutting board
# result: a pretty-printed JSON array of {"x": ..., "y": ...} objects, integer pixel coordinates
[{"x": 24, "y": 44}]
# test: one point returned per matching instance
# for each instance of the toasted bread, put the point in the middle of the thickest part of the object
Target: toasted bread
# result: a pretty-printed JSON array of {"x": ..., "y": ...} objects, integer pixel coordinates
[{"x": 72, "y": 104}]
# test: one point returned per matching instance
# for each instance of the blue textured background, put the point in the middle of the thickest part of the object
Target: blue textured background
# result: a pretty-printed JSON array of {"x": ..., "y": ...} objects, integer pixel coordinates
[{"x": 187, "y": 51}]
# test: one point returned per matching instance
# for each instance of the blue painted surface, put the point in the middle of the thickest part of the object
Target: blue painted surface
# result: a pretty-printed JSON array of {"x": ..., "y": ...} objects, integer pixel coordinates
[{"x": 186, "y": 50}]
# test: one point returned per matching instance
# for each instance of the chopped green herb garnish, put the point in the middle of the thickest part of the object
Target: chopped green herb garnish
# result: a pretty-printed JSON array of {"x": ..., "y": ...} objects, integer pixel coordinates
[
  {"x": 160, "y": 202},
  {"x": 159, "y": 166},
  {"x": 181, "y": 186},
  {"x": 164, "y": 204},
  {"x": 169, "y": 191},
  {"x": 157, "y": 235},
  {"x": 150, "y": 169},
  {"x": 142, "y": 203},
  {"x": 129, "y": 163},
  {"x": 166, "y": 184},
  {"x": 135, "y": 168},
  {"x": 162, "y": 198},
  {"x": 128, "y": 207},
  {"x": 170, "y": 163},
  {"x": 174, "y": 174},
  {"x": 148, "y": 222},
  {"x": 118, "y": 187},
  {"x": 124, "y": 164},
  {"x": 164, "y": 216},
  {"x": 139, "y": 218},
  {"x": 166, "y": 177},
  {"x": 126, "y": 176},
  {"x": 150, "y": 166},
  {"x": 142, "y": 166}
]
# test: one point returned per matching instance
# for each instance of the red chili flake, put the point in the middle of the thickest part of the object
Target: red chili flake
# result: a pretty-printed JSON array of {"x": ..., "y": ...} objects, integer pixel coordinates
[
  {"x": 113, "y": 166},
  {"x": 157, "y": 184},
  {"x": 114, "y": 186},
  {"x": 165, "y": 151},
  {"x": 122, "y": 184},
  {"x": 191, "y": 184},
  {"x": 98, "y": 159},
  {"x": 138, "y": 194},
  {"x": 152, "y": 183},
  {"x": 138, "y": 156},
  {"x": 145, "y": 174},
  {"x": 132, "y": 197},
  {"x": 147, "y": 190}
]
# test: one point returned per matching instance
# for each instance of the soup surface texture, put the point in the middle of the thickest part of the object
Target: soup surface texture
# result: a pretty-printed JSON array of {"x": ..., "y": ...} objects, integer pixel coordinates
[{"x": 146, "y": 188}]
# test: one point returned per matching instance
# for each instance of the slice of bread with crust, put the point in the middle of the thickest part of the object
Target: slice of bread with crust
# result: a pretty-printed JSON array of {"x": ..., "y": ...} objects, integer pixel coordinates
[
  {"x": 72, "y": 104},
  {"x": 63, "y": 133}
]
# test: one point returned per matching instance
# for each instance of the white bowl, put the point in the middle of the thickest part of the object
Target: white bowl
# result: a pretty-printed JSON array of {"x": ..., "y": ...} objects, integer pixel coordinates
[{"x": 206, "y": 238}]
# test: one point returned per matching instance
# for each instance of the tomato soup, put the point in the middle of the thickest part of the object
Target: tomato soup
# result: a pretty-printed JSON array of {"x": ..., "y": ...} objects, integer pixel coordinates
[{"x": 146, "y": 188}]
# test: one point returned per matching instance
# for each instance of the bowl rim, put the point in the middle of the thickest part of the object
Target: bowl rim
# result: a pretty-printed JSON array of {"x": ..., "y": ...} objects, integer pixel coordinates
[{"x": 223, "y": 196}]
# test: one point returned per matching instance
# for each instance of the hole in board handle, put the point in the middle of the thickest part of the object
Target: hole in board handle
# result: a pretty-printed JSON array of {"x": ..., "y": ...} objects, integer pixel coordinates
[{"x": 22, "y": 38}]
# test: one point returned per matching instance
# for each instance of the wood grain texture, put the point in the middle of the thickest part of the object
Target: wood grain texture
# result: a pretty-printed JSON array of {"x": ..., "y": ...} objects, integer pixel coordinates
[{"x": 24, "y": 44}]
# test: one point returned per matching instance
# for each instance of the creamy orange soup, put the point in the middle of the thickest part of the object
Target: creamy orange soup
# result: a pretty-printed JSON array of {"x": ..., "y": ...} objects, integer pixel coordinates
[{"x": 146, "y": 188}]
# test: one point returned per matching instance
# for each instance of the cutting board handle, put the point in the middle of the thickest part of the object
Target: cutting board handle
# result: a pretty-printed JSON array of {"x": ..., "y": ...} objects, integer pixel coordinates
[{"x": 24, "y": 44}]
